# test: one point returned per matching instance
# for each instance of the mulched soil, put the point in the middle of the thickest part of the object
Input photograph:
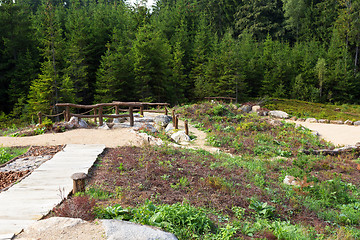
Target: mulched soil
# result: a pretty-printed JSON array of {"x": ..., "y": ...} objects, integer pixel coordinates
[
  {"x": 132, "y": 175},
  {"x": 8, "y": 178}
]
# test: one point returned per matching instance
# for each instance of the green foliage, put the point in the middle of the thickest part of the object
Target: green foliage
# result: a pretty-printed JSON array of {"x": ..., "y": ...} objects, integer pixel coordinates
[
  {"x": 6, "y": 154},
  {"x": 262, "y": 209},
  {"x": 183, "y": 220}
]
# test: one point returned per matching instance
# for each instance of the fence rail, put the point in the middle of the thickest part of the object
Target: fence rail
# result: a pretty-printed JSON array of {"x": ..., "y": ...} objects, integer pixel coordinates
[{"x": 98, "y": 110}]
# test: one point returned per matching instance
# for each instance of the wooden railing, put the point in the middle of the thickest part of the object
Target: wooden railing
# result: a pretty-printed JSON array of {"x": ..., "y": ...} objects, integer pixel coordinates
[{"x": 142, "y": 107}]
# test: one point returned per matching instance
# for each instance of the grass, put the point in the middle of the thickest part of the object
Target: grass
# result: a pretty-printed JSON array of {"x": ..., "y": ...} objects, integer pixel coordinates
[
  {"x": 198, "y": 195},
  {"x": 6, "y": 153},
  {"x": 302, "y": 109}
]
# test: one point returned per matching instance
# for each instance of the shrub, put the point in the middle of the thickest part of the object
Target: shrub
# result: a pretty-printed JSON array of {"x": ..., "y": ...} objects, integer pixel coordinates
[{"x": 77, "y": 207}]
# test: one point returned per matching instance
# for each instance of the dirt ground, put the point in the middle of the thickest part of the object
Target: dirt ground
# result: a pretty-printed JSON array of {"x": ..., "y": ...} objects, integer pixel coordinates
[{"x": 335, "y": 133}]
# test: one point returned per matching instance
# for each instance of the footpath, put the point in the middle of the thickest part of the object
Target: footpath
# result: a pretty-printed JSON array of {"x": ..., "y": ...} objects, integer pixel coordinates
[{"x": 33, "y": 197}]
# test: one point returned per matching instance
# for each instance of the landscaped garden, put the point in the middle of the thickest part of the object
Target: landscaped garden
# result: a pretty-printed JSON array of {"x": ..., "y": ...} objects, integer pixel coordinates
[{"x": 237, "y": 194}]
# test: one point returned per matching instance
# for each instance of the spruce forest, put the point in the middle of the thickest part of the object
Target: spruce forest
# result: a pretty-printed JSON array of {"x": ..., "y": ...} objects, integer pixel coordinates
[{"x": 91, "y": 51}]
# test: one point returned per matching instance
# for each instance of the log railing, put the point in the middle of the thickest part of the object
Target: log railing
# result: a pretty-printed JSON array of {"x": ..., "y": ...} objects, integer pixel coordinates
[
  {"x": 142, "y": 107},
  {"x": 98, "y": 111}
]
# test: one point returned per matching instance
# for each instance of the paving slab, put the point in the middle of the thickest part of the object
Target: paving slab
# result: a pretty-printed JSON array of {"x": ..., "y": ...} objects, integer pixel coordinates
[{"x": 27, "y": 201}]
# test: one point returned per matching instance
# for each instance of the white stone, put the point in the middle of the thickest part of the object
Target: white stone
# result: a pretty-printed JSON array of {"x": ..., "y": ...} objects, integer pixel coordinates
[
  {"x": 104, "y": 127},
  {"x": 279, "y": 114},
  {"x": 290, "y": 180},
  {"x": 83, "y": 124},
  {"x": 162, "y": 120},
  {"x": 357, "y": 123},
  {"x": 123, "y": 230},
  {"x": 180, "y": 136},
  {"x": 169, "y": 128},
  {"x": 255, "y": 108},
  {"x": 311, "y": 120}
]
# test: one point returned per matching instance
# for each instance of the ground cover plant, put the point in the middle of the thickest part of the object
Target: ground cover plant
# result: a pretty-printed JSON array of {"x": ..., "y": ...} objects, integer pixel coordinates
[
  {"x": 302, "y": 109},
  {"x": 198, "y": 195},
  {"x": 7, "y": 153}
]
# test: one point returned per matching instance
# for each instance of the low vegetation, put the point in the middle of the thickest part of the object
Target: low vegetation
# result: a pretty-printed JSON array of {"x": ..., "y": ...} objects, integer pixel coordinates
[
  {"x": 6, "y": 153},
  {"x": 302, "y": 109},
  {"x": 198, "y": 195}
]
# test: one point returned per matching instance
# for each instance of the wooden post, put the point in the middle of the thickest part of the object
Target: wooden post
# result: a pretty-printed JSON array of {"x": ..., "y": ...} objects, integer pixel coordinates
[
  {"x": 40, "y": 117},
  {"x": 131, "y": 112},
  {"x": 177, "y": 122},
  {"x": 173, "y": 117},
  {"x": 142, "y": 110},
  {"x": 101, "y": 116},
  {"x": 166, "y": 111},
  {"x": 67, "y": 113},
  {"x": 117, "y": 109},
  {"x": 186, "y": 127},
  {"x": 78, "y": 182},
  {"x": 95, "y": 118}
]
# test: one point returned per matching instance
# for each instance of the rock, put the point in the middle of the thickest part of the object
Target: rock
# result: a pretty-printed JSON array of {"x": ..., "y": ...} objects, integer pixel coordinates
[
  {"x": 73, "y": 122},
  {"x": 150, "y": 139},
  {"x": 169, "y": 128},
  {"x": 315, "y": 133},
  {"x": 60, "y": 223},
  {"x": 245, "y": 108},
  {"x": 323, "y": 121},
  {"x": 290, "y": 180},
  {"x": 83, "y": 124},
  {"x": 279, "y": 114},
  {"x": 275, "y": 122},
  {"x": 143, "y": 119},
  {"x": 336, "y": 122},
  {"x": 118, "y": 120},
  {"x": 255, "y": 108},
  {"x": 357, "y": 123},
  {"x": 122, "y": 230},
  {"x": 348, "y": 122},
  {"x": 104, "y": 127},
  {"x": 311, "y": 120},
  {"x": 180, "y": 136},
  {"x": 162, "y": 120},
  {"x": 262, "y": 113},
  {"x": 148, "y": 127},
  {"x": 301, "y": 119},
  {"x": 293, "y": 118}
]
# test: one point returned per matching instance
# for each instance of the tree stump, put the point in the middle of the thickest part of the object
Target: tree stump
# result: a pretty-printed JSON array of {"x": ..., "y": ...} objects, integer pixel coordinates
[{"x": 78, "y": 182}]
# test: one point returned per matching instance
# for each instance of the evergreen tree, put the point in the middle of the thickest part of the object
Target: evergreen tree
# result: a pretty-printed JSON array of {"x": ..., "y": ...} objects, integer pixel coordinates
[{"x": 152, "y": 63}]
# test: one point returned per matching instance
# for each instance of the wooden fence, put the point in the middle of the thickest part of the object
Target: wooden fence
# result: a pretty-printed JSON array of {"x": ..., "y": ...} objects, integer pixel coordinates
[{"x": 97, "y": 110}]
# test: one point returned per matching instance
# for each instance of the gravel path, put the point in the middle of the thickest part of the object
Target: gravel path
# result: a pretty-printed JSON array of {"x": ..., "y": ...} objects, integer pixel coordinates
[{"x": 335, "y": 133}]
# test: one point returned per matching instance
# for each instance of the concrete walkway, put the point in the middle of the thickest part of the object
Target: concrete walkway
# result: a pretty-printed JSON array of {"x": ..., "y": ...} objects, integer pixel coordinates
[{"x": 36, "y": 195}]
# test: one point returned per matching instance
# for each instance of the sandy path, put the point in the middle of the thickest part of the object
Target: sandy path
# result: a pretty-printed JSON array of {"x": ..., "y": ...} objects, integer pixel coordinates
[
  {"x": 337, "y": 134},
  {"x": 110, "y": 138}
]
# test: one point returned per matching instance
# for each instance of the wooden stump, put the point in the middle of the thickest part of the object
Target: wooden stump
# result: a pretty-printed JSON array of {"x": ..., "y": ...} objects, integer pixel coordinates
[
  {"x": 186, "y": 128},
  {"x": 78, "y": 182}
]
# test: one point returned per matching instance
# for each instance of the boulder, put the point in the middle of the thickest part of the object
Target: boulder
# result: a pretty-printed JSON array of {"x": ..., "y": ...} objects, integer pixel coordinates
[
  {"x": 148, "y": 127},
  {"x": 104, "y": 127},
  {"x": 245, "y": 108},
  {"x": 73, "y": 122},
  {"x": 279, "y": 114},
  {"x": 123, "y": 230},
  {"x": 143, "y": 119},
  {"x": 262, "y": 113},
  {"x": 290, "y": 180},
  {"x": 118, "y": 120},
  {"x": 323, "y": 121},
  {"x": 311, "y": 120},
  {"x": 348, "y": 122},
  {"x": 357, "y": 123},
  {"x": 255, "y": 108},
  {"x": 336, "y": 122},
  {"x": 276, "y": 122},
  {"x": 180, "y": 136},
  {"x": 83, "y": 124},
  {"x": 162, "y": 120},
  {"x": 169, "y": 128}
]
